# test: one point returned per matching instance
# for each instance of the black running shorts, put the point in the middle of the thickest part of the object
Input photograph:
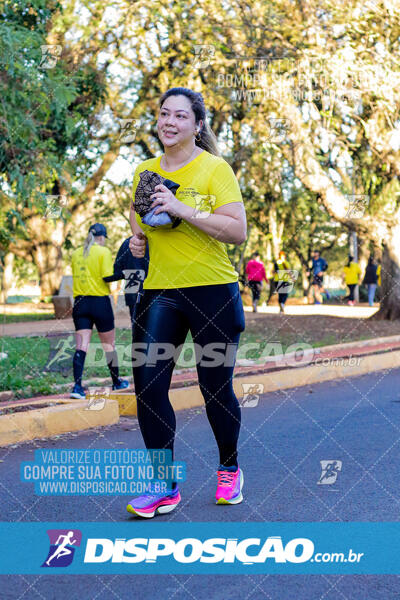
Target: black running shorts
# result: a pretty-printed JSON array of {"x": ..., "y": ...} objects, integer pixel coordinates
[{"x": 93, "y": 310}]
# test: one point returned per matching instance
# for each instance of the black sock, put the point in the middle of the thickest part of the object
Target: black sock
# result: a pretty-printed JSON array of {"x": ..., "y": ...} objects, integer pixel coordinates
[
  {"x": 232, "y": 468},
  {"x": 112, "y": 363},
  {"x": 77, "y": 362}
]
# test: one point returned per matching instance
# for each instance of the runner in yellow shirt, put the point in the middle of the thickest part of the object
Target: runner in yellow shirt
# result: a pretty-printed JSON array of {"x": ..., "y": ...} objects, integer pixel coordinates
[
  {"x": 191, "y": 285},
  {"x": 282, "y": 279},
  {"x": 92, "y": 306},
  {"x": 352, "y": 274}
]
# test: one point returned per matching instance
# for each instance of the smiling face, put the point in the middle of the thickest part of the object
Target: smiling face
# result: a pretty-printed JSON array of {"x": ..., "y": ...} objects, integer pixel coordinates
[{"x": 176, "y": 125}]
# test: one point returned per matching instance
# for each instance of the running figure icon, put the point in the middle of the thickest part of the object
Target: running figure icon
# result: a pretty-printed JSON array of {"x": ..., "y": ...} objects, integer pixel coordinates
[
  {"x": 63, "y": 545},
  {"x": 65, "y": 349},
  {"x": 62, "y": 549},
  {"x": 330, "y": 471}
]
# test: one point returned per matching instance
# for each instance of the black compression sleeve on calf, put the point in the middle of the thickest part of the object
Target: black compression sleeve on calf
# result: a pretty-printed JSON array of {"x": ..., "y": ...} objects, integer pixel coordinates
[
  {"x": 77, "y": 362},
  {"x": 112, "y": 363}
]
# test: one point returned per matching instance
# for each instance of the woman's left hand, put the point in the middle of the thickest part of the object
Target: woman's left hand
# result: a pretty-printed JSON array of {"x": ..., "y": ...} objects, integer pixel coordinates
[{"x": 167, "y": 202}]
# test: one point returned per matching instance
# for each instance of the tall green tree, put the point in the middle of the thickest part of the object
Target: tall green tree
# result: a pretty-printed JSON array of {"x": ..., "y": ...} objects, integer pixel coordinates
[{"x": 48, "y": 103}]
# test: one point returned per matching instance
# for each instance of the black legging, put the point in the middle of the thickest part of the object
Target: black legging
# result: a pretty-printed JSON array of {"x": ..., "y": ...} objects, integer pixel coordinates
[
  {"x": 214, "y": 314},
  {"x": 256, "y": 287},
  {"x": 352, "y": 287},
  {"x": 282, "y": 298}
]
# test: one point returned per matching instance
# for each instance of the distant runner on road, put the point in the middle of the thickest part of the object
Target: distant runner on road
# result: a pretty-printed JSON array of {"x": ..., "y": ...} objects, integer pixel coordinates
[
  {"x": 255, "y": 272},
  {"x": 319, "y": 266},
  {"x": 352, "y": 274}
]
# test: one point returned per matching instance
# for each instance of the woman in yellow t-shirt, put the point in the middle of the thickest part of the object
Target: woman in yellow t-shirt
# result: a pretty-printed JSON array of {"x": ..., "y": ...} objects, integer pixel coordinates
[
  {"x": 282, "y": 280},
  {"x": 92, "y": 264},
  {"x": 352, "y": 274},
  {"x": 191, "y": 285}
]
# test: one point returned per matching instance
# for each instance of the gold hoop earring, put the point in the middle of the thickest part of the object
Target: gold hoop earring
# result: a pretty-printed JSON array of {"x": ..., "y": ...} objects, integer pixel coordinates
[{"x": 198, "y": 138}]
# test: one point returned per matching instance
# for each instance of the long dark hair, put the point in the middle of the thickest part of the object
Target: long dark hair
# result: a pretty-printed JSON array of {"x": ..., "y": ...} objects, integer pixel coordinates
[
  {"x": 207, "y": 141},
  {"x": 350, "y": 260}
]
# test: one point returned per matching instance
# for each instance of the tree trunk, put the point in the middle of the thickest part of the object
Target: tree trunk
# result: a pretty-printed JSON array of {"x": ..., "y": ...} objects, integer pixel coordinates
[
  {"x": 390, "y": 302},
  {"x": 46, "y": 253},
  {"x": 7, "y": 277},
  {"x": 48, "y": 259},
  {"x": 276, "y": 231}
]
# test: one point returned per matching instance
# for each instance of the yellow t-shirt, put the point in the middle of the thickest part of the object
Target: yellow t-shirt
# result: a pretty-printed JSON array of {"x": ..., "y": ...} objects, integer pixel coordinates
[
  {"x": 352, "y": 273},
  {"x": 88, "y": 271},
  {"x": 378, "y": 272},
  {"x": 186, "y": 256},
  {"x": 282, "y": 265}
]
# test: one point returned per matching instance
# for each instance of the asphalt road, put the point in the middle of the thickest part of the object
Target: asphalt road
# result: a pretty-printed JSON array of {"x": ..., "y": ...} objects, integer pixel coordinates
[{"x": 283, "y": 439}]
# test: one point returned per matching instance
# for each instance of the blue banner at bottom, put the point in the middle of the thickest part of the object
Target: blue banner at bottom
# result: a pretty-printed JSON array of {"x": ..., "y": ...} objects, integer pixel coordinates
[{"x": 211, "y": 548}]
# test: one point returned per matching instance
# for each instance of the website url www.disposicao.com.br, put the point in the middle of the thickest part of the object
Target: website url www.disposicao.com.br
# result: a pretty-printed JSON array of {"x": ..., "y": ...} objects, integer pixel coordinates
[{"x": 213, "y": 550}]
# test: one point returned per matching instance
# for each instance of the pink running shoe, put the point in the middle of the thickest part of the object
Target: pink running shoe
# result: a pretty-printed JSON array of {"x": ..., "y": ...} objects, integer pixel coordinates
[
  {"x": 230, "y": 483},
  {"x": 148, "y": 505}
]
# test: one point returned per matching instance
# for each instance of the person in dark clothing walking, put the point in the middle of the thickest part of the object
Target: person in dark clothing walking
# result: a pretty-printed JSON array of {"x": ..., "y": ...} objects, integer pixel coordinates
[
  {"x": 371, "y": 279},
  {"x": 319, "y": 266},
  {"x": 134, "y": 271}
]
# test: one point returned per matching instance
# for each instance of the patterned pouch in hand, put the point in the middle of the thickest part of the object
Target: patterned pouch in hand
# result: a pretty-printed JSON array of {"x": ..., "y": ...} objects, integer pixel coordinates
[{"x": 145, "y": 188}]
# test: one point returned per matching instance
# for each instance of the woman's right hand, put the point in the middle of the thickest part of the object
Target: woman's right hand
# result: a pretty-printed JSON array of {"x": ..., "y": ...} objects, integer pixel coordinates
[{"x": 137, "y": 245}]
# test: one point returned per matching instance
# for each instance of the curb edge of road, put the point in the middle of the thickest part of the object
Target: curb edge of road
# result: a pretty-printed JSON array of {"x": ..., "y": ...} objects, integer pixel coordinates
[
  {"x": 66, "y": 416},
  {"x": 70, "y": 416},
  {"x": 191, "y": 397}
]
